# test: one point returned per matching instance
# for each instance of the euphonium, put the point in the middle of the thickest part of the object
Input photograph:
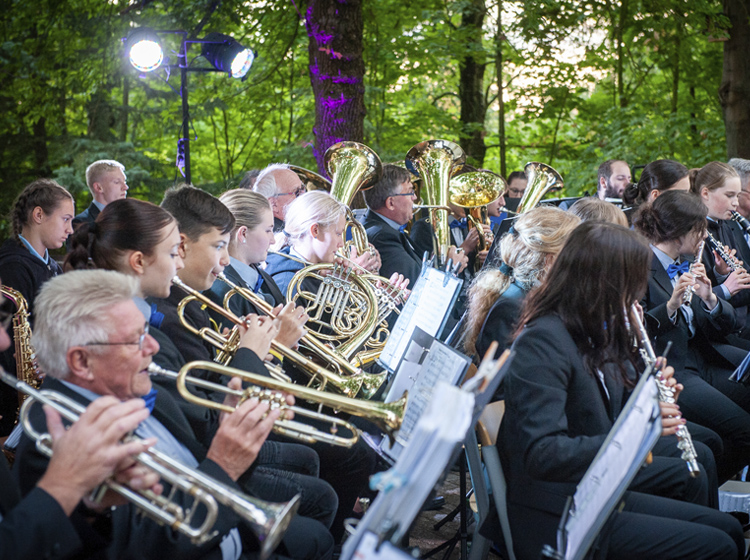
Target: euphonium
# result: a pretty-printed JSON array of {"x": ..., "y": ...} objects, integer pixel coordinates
[
  {"x": 387, "y": 416},
  {"x": 371, "y": 383},
  {"x": 474, "y": 191},
  {"x": 268, "y": 520},
  {"x": 26, "y": 366},
  {"x": 229, "y": 345},
  {"x": 282, "y": 426},
  {"x": 436, "y": 161},
  {"x": 666, "y": 394},
  {"x": 352, "y": 167},
  {"x": 541, "y": 179}
]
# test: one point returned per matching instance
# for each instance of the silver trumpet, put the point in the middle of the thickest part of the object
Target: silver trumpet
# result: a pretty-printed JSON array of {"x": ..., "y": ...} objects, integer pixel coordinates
[
  {"x": 282, "y": 426},
  {"x": 666, "y": 394},
  {"x": 269, "y": 521}
]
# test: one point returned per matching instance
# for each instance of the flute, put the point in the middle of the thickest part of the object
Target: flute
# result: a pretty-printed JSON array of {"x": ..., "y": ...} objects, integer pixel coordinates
[
  {"x": 687, "y": 296},
  {"x": 666, "y": 394}
]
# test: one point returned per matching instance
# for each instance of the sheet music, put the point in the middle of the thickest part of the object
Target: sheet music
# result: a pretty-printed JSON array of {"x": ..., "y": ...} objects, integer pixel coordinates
[
  {"x": 369, "y": 550},
  {"x": 427, "y": 307},
  {"x": 617, "y": 462}
]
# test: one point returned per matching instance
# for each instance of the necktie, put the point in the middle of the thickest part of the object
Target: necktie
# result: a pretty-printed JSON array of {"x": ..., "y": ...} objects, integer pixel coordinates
[
  {"x": 677, "y": 269},
  {"x": 403, "y": 228},
  {"x": 150, "y": 399}
]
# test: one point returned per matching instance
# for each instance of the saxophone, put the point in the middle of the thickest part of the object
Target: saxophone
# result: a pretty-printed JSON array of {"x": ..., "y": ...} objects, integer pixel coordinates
[{"x": 27, "y": 369}]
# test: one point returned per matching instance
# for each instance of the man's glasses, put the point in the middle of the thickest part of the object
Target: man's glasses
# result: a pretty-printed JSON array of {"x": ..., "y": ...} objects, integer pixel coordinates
[
  {"x": 412, "y": 192},
  {"x": 297, "y": 193},
  {"x": 139, "y": 342}
]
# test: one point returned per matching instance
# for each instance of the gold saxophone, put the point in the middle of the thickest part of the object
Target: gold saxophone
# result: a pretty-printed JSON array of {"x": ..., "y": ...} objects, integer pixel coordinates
[{"x": 27, "y": 369}]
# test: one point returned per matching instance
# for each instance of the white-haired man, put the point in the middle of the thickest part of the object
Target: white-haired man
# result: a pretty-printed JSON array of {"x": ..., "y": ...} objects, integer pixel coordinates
[
  {"x": 107, "y": 182},
  {"x": 280, "y": 185},
  {"x": 91, "y": 341}
]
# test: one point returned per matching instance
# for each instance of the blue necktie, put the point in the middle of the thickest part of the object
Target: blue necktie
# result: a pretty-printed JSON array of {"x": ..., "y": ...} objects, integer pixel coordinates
[
  {"x": 150, "y": 399},
  {"x": 403, "y": 228},
  {"x": 677, "y": 269},
  {"x": 458, "y": 223}
]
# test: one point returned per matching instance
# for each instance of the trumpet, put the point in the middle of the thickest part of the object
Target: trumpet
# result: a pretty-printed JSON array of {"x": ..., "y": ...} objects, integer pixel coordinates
[
  {"x": 227, "y": 346},
  {"x": 666, "y": 394},
  {"x": 387, "y": 416},
  {"x": 269, "y": 521},
  {"x": 283, "y": 426},
  {"x": 371, "y": 383}
]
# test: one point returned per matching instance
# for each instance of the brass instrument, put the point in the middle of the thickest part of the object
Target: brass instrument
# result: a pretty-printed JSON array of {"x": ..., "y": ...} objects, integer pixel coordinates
[
  {"x": 474, "y": 191},
  {"x": 352, "y": 167},
  {"x": 371, "y": 383},
  {"x": 27, "y": 369},
  {"x": 311, "y": 180},
  {"x": 268, "y": 520},
  {"x": 229, "y": 345},
  {"x": 282, "y": 426},
  {"x": 541, "y": 179},
  {"x": 666, "y": 394},
  {"x": 387, "y": 416},
  {"x": 436, "y": 161},
  {"x": 687, "y": 296}
]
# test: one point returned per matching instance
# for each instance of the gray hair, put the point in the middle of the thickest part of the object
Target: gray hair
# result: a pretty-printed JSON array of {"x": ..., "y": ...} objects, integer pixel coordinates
[
  {"x": 265, "y": 184},
  {"x": 72, "y": 310},
  {"x": 95, "y": 171},
  {"x": 742, "y": 167}
]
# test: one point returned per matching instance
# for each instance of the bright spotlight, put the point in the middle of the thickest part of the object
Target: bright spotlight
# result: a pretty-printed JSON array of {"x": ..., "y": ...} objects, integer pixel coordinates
[
  {"x": 144, "y": 50},
  {"x": 227, "y": 55}
]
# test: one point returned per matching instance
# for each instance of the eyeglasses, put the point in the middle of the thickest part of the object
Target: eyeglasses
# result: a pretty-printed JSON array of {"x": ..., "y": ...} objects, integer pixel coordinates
[
  {"x": 412, "y": 192},
  {"x": 139, "y": 342},
  {"x": 297, "y": 193}
]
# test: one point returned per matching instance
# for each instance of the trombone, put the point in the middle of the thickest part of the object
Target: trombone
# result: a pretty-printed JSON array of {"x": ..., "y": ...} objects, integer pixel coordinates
[
  {"x": 371, "y": 383},
  {"x": 269, "y": 521},
  {"x": 227, "y": 346},
  {"x": 283, "y": 427},
  {"x": 387, "y": 416}
]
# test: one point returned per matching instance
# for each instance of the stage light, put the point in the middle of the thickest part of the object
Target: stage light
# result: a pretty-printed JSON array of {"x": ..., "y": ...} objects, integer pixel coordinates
[
  {"x": 227, "y": 55},
  {"x": 144, "y": 50}
]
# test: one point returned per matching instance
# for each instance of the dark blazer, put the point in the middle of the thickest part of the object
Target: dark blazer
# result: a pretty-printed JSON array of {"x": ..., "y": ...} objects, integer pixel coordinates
[
  {"x": 132, "y": 534},
  {"x": 87, "y": 216},
  {"x": 35, "y": 527},
  {"x": 397, "y": 253},
  {"x": 708, "y": 346},
  {"x": 501, "y": 321}
]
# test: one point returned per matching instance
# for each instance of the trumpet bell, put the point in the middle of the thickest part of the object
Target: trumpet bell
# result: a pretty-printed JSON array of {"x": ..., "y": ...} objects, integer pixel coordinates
[{"x": 278, "y": 517}]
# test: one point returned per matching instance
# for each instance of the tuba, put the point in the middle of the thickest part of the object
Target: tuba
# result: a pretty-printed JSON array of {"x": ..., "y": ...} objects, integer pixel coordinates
[
  {"x": 26, "y": 366},
  {"x": 352, "y": 167},
  {"x": 542, "y": 179},
  {"x": 311, "y": 180},
  {"x": 268, "y": 521},
  {"x": 436, "y": 161},
  {"x": 474, "y": 191}
]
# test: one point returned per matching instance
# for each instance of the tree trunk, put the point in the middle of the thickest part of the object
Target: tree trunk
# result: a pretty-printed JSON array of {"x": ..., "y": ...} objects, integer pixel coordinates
[
  {"x": 471, "y": 83},
  {"x": 619, "y": 34},
  {"x": 500, "y": 100},
  {"x": 41, "y": 154},
  {"x": 735, "y": 84},
  {"x": 337, "y": 71}
]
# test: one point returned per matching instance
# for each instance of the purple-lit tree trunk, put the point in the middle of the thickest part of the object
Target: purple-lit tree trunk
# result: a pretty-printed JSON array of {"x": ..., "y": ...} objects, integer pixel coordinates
[{"x": 336, "y": 72}]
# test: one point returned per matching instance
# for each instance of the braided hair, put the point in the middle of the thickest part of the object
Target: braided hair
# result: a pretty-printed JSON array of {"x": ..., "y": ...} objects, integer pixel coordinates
[{"x": 46, "y": 194}]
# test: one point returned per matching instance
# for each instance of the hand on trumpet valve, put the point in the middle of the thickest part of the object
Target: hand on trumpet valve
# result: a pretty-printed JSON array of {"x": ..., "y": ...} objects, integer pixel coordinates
[
  {"x": 471, "y": 241},
  {"x": 257, "y": 333},
  {"x": 240, "y": 435},
  {"x": 292, "y": 319},
  {"x": 94, "y": 449},
  {"x": 737, "y": 281}
]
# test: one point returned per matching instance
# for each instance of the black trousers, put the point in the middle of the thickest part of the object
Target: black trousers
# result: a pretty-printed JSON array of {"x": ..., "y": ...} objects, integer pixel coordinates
[
  {"x": 709, "y": 403},
  {"x": 648, "y": 527}
]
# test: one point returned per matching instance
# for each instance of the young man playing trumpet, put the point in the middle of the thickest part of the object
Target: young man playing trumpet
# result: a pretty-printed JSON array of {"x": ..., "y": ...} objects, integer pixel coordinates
[{"x": 91, "y": 341}]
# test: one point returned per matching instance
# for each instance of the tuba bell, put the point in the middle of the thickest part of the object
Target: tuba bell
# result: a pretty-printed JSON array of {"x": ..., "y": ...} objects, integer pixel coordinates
[
  {"x": 436, "y": 161},
  {"x": 474, "y": 191},
  {"x": 542, "y": 179}
]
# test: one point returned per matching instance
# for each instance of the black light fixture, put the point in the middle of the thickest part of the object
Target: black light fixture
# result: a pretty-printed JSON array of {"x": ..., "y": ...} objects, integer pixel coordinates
[{"x": 227, "y": 55}]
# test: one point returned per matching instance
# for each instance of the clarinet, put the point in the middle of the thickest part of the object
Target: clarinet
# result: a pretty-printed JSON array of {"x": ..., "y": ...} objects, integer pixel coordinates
[
  {"x": 742, "y": 220},
  {"x": 719, "y": 248},
  {"x": 687, "y": 296},
  {"x": 666, "y": 394}
]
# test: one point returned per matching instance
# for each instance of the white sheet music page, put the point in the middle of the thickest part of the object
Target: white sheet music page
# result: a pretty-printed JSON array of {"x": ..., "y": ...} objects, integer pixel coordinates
[
  {"x": 614, "y": 466},
  {"x": 426, "y": 308}
]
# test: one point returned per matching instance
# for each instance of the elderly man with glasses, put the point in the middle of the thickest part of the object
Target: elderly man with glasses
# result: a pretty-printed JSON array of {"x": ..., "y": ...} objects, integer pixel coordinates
[{"x": 280, "y": 185}]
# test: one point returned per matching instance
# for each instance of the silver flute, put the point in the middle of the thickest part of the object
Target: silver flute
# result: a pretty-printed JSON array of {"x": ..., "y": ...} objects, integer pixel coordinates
[
  {"x": 666, "y": 394},
  {"x": 687, "y": 295}
]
